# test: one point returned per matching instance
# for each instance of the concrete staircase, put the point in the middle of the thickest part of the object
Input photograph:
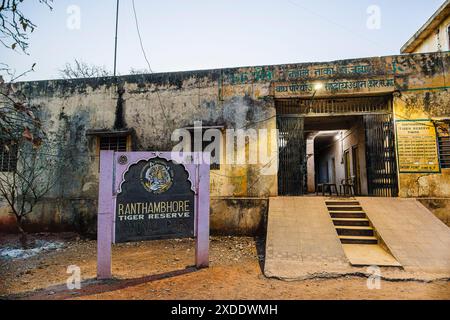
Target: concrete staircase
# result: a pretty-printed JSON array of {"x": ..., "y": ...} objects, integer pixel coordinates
[{"x": 350, "y": 221}]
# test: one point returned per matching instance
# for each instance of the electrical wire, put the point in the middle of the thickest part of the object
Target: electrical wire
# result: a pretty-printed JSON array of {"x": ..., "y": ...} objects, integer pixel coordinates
[
  {"x": 140, "y": 37},
  {"x": 147, "y": 61}
]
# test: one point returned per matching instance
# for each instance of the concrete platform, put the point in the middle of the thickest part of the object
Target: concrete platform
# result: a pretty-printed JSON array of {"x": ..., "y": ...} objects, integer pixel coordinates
[
  {"x": 369, "y": 255},
  {"x": 301, "y": 239}
]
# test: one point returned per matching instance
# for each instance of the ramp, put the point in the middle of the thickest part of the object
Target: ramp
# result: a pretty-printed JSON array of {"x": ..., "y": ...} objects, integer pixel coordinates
[
  {"x": 301, "y": 239},
  {"x": 414, "y": 236}
]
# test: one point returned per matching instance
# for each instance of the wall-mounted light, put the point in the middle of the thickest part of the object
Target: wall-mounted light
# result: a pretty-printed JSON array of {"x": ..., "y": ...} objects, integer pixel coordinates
[
  {"x": 337, "y": 136},
  {"x": 318, "y": 86}
]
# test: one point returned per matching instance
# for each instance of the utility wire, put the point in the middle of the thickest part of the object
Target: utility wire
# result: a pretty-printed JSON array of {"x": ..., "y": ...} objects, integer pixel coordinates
[
  {"x": 140, "y": 37},
  {"x": 148, "y": 62}
]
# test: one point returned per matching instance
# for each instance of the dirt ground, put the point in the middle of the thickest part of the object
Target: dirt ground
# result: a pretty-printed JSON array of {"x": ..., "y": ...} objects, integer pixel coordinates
[{"x": 163, "y": 270}]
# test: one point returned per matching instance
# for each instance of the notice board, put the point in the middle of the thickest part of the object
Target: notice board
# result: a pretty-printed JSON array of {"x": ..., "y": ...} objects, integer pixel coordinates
[{"x": 417, "y": 148}]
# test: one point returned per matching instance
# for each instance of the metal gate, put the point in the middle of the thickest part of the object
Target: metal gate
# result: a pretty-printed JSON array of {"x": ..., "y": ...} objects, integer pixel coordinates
[
  {"x": 380, "y": 155},
  {"x": 291, "y": 156}
]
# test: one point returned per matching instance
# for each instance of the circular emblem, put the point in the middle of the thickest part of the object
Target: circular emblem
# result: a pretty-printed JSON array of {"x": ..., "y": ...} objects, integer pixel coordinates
[
  {"x": 156, "y": 177},
  {"x": 123, "y": 160}
]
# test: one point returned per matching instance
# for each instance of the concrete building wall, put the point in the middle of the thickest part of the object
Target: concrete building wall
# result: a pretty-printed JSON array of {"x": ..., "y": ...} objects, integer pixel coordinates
[
  {"x": 424, "y": 105},
  {"x": 230, "y": 98},
  {"x": 74, "y": 107}
]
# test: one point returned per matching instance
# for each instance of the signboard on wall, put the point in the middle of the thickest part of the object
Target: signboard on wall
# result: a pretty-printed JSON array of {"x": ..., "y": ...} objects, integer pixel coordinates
[
  {"x": 417, "y": 146},
  {"x": 332, "y": 87}
]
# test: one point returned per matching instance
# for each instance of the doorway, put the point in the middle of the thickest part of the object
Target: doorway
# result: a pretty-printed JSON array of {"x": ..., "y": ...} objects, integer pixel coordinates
[
  {"x": 335, "y": 158},
  {"x": 318, "y": 147}
]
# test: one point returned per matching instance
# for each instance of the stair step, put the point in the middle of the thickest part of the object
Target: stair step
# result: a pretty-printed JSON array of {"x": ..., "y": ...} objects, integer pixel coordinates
[
  {"x": 354, "y": 231},
  {"x": 344, "y": 207},
  {"x": 342, "y": 202},
  {"x": 348, "y": 214},
  {"x": 339, "y": 206},
  {"x": 351, "y": 221},
  {"x": 358, "y": 240},
  {"x": 354, "y": 227}
]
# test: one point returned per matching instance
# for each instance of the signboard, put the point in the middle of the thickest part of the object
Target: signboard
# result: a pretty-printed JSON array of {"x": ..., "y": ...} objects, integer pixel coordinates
[
  {"x": 417, "y": 146},
  {"x": 155, "y": 202},
  {"x": 332, "y": 87},
  {"x": 152, "y": 195}
]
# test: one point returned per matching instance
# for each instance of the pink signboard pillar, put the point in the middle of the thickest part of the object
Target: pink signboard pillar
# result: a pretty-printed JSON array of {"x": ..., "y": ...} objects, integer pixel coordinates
[
  {"x": 105, "y": 214},
  {"x": 202, "y": 218}
]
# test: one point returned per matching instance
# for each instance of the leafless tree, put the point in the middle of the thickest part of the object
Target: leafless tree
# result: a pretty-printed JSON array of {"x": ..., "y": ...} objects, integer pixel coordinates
[
  {"x": 16, "y": 116},
  {"x": 29, "y": 173},
  {"x": 80, "y": 69},
  {"x": 139, "y": 71},
  {"x": 25, "y": 173},
  {"x": 32, "y": 173},
  {"x": 14, "y": 26},
  {"x": 31, "y": 162}
]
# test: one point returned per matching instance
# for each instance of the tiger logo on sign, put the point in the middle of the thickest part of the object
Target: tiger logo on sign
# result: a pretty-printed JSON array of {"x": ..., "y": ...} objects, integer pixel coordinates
[{"x": 156, "y": 177}]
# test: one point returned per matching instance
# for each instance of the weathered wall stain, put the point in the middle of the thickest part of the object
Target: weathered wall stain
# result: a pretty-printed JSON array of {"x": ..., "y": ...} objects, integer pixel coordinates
[{"x": 119, "y": 122}]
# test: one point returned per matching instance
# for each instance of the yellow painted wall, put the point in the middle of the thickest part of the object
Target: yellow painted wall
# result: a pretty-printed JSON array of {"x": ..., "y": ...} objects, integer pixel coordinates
[
  {"x": 436, "y": 42},
  {"x": 417, "y": 105}
]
